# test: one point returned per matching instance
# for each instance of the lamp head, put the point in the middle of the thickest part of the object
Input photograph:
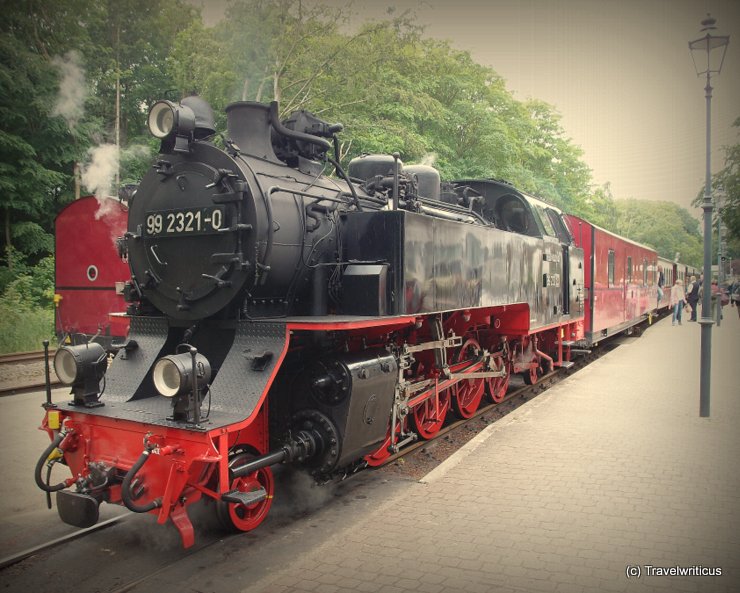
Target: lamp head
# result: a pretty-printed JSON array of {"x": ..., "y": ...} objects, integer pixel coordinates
[{"x": 82, "y": 367}]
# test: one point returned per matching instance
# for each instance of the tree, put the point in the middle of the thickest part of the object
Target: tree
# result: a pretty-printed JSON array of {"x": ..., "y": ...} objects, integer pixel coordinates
[
  {"x": 36, "y": 148},
  {"x": 727, "y": 184},
  {"x": 665, "y": 226}
]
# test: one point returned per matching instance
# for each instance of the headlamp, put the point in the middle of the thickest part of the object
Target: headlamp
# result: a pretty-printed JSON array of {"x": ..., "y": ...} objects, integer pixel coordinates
[
  {"x": 161, "y": 119},
  {"x": 82, "y": 367},
  {"x": 183, "y": 378},
  {"x": 173, "y": 375},
  {"x": 173, "y": 124}
]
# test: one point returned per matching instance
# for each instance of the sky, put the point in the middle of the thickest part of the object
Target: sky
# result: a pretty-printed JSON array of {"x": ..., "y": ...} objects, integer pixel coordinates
[{"x": 619, "y": 72}]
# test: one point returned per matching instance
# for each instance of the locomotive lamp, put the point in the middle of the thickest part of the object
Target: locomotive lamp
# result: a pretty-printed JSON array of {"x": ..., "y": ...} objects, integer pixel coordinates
[
  {"x": 173, "y": 124},
  {"x": 184, "y": 378},
  {"x": 708, "y": 53},
  {"x": 177, "y": 124},
  {"x": 82, "y": 367}
]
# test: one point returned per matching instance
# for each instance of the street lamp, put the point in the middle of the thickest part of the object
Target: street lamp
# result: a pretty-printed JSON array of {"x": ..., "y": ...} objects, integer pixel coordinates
[
  {"x": 708, "y": 53},
  {"x": 720, "y": 255}
]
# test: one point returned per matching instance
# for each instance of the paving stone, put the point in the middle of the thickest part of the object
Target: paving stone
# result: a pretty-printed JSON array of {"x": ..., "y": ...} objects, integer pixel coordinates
[{"x": 612, "y": 467}]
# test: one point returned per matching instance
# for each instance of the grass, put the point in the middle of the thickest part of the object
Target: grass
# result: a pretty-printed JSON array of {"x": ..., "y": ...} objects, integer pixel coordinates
[{"x": 23, "y": 327}]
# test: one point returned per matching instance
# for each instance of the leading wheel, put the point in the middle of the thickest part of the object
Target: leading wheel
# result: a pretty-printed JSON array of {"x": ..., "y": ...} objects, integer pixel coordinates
[
  {"x": 467, "y": 394},
  {"x": 245, "y": 517}
]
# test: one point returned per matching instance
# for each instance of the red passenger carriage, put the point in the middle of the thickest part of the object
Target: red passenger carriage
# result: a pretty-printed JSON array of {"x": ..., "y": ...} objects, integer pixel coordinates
[
  {"x": 621, "y": 279},
  {"x": 89, "y": 272}
]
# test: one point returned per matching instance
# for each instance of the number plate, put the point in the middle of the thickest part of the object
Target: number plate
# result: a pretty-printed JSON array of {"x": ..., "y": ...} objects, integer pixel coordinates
[{"x": 187, "y": 221}]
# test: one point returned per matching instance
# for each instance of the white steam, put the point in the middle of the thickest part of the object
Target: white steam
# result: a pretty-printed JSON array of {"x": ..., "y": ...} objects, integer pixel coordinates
[
  {"x": 98, "y": 175},
  {"x": 70, "y": 103},
  {"x": 429, "y": 159}
]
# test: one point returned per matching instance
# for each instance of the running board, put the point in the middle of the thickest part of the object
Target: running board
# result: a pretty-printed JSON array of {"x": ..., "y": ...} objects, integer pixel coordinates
[{"x": 245, "y": 498}]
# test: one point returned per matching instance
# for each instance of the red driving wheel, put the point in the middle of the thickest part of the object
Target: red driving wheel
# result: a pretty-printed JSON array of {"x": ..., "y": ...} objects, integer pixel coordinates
[
  {"x": 497, "y": 386},
  {"x": 382, "y": 453},
  {"x": 468, "y": 393},
  {"x": 427, "y": 419}
]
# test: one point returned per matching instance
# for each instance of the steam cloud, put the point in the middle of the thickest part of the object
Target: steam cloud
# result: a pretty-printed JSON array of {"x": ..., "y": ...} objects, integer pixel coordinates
[
  {"x": 429, "y": 159},
  {"x": 98, "y": 173},
  {"x": 70, "y": 103}
]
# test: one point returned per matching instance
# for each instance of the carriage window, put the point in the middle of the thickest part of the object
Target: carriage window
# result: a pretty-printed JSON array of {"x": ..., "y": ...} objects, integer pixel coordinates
[
  {"x": 644, "y": 272},
  {"x": 629, "y": 269},
  {"x": 610, "y": 267}
]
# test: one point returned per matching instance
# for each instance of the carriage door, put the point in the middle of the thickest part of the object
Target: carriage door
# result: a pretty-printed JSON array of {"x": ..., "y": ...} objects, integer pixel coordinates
[
  {"x": 572, "y": 266},
  {"x": 573, "y": 293},
  {"x": 629, "y": 292}
]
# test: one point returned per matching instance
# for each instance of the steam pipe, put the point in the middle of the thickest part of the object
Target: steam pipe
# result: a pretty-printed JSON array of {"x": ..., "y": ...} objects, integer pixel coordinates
[
  {"x": 281, "y": 129},
  {"x": 126, "y": 496},
  {"x": 344, "y": 176},
  {"x": 43, "y": 459}
]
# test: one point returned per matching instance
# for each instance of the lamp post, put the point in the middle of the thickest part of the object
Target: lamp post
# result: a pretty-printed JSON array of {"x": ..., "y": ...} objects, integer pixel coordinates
[
  {"x": 708, "y": 53},
  {"x": 720, "y": 252}
]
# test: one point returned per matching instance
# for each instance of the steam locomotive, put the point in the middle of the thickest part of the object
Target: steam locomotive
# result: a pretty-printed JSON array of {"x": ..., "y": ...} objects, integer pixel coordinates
[{"x": 280, "y": 314}]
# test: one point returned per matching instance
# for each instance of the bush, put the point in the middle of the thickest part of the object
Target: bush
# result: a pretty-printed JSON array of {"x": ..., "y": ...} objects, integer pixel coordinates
[
  {"x": 27, "y": 310},
  {"x": 23, "y": 326}
]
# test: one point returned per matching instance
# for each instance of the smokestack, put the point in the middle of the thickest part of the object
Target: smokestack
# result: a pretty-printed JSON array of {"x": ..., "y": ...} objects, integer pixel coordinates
[{"x": 248, "y": 125}]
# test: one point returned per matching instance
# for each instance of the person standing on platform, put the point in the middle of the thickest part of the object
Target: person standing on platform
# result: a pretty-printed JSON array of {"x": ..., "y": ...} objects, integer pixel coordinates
[
  {"x": 678, "y": 299},
  {"x": 715, "y": 300},
  {"x": 692, "y": 296},
  {"x": 736, "y": 296}
]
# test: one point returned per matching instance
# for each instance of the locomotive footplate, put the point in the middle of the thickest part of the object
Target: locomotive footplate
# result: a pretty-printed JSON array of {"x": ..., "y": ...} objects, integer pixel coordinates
[
  {"x": 245, "y": 498},
  {"x": 245, "y": 372}
]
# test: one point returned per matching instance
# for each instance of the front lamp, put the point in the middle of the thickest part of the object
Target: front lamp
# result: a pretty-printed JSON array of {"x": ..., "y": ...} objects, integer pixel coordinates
[
  {"x": 184, "y": 378},
  {"x": 161, "y": 119},
  {"x": 173, "y": 375},
  {"x": 173, "y": 124},
  {"x": 82, "y": 367}
]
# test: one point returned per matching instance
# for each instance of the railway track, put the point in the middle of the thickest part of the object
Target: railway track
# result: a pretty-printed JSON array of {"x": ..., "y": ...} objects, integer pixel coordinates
[
  {"x": 21, "y": 380},
  {"x": 20, "y": 357},
  {"x": 19, "y": 556},
  {"x": 513, "y": 399}
]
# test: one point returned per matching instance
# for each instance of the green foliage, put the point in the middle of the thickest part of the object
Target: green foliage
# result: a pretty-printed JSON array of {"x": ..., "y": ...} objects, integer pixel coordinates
[
  {"x": 26, "y": 306},
  {"x": 392, "y": 88},
  {"x": 33, "y": 285},
  {"x": 727, "y": 181},
  {"x": 665, "y": 226},
  {"x": 23, "y": 327}
]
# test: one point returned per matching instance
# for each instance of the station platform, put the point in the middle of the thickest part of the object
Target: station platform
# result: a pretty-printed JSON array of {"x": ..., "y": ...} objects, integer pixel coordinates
[{"x": 609, "y": 481}]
